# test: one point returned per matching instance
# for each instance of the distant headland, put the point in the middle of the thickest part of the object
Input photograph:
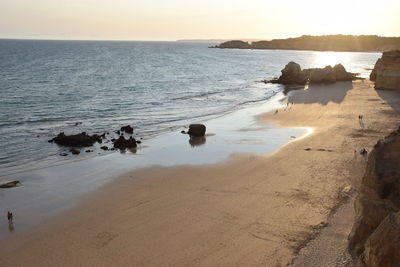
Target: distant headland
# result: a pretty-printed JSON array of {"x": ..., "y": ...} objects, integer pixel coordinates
[
  {"x": 350, "y": 43},
  {"x": 214, "y": 40}
]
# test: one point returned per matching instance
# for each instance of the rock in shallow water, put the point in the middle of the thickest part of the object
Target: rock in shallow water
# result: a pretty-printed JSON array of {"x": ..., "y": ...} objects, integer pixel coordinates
[
  {"x": 128, "y": 129},
  {"x": 75, "y": 151},
  {"x": 10, "y": 184},
  {"x": 197, "y": 130},
  {"x": 122, "y": 143}
]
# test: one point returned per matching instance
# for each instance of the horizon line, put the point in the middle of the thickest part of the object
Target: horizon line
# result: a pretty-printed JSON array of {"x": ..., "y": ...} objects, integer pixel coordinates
[{"x": 184, "y": 39}]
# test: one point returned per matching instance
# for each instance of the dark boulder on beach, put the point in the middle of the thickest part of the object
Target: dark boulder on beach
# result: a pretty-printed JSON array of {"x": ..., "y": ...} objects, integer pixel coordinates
[
  {"x": 128, "y": 129},
  {"x": 10, "y": 184},
  {"x": 197, "y": 130},
  {"x": 122, "y": 143},
  {"x": 76, "y": 140}
]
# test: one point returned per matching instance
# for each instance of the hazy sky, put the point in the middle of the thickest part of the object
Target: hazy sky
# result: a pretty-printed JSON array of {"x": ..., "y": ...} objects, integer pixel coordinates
[{"x": 203, "y": 19}]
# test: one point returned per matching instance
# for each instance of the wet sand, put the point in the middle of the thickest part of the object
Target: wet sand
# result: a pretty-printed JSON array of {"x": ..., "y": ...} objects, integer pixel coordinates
[{"x": 252, "y": 210}]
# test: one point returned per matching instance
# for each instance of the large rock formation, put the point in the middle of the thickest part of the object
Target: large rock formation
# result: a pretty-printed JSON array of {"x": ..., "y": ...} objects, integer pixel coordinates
[
  {"x": 383, "y": 246},
  {"x": 319, "y": 75},
  {"x": 379, "y": 197},
  {"x": 386, "y": 72},
  {"x": 293, "y": 74}
]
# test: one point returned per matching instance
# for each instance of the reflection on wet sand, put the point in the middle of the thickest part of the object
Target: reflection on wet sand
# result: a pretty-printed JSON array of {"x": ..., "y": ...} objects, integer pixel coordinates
[{"x": 197, "y": 141}]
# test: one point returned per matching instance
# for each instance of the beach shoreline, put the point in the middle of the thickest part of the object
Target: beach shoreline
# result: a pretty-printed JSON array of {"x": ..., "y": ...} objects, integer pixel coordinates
[
  {"x": 249, "y": 210},
  {"x": 46, "y": 192}
]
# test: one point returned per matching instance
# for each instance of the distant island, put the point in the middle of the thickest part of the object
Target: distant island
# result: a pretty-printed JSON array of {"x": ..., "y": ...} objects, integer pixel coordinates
[{"x": 350, "y": 43}]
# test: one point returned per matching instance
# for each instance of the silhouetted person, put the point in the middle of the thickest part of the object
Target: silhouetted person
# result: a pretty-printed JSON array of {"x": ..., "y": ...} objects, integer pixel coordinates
[{"x": 9, "y": 217}]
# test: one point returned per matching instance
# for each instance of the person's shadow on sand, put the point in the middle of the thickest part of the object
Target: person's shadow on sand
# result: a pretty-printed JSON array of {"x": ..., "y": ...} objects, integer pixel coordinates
[
  {"x": 362, "y": 125},
  {"x": 322, "y": 94},
  {"x": 390, "y": 97},
  {"x": 11, "y": 227}
]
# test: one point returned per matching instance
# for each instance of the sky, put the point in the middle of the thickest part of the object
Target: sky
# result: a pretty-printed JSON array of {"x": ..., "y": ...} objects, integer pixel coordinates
[{"x": 168, "y": 20}]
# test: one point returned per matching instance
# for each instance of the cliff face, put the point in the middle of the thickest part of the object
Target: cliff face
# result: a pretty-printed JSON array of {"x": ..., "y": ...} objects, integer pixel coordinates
[
  {"x": 375, "y": 236},
  {"x": 386, "y": 72},
  {"x": 323, "y": 43}
]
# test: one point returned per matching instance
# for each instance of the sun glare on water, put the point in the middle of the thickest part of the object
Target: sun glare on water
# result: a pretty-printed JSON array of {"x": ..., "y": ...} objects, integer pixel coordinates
[{"x": 323, "y": 59}]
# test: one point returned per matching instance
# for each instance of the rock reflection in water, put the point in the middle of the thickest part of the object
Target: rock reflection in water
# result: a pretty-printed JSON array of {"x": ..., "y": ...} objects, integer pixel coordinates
[{"x": 197, "y": 141}]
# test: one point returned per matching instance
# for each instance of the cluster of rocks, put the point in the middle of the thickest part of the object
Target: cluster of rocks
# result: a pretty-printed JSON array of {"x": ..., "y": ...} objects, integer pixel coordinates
[
  {"x": 386, "y": 72},
  {"x": 292, "y": 74},
  {"x": 83, "y": 139},
  {"x": 122, "y": 143},
  {"x": 77, "y": 140},
  {"x": 375, "y": 237}
]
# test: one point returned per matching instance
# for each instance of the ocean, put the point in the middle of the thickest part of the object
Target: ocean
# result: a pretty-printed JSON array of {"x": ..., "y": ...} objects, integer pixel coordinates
[{"x": 47, "y": 87}]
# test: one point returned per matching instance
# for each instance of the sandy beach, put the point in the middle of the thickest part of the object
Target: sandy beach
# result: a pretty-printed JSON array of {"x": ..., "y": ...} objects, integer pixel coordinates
[{"x": 251, "y": 210}]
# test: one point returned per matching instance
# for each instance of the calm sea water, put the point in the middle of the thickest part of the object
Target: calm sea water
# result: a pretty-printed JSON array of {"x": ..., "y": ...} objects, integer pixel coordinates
[{"x": 48, "y": 86}]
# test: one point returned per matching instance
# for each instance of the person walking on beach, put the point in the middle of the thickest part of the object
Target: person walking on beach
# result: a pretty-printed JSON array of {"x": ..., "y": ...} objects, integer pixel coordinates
[{"x": 9, "y": 217}]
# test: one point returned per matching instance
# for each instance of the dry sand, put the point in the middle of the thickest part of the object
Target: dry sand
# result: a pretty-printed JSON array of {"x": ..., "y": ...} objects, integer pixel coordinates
[{"x": 251, "y": 210}]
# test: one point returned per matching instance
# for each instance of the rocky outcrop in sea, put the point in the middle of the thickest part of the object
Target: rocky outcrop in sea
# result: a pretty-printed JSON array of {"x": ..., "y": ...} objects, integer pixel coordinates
[{"x": 292, "y": 74}]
